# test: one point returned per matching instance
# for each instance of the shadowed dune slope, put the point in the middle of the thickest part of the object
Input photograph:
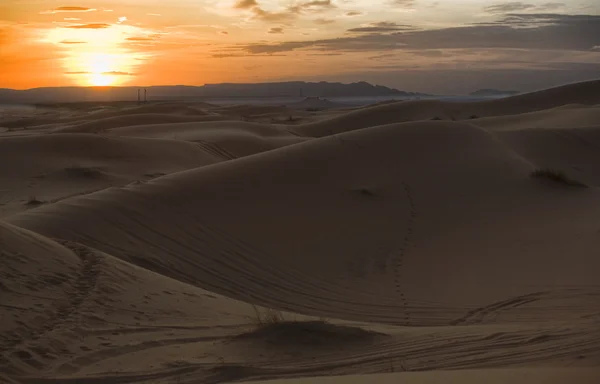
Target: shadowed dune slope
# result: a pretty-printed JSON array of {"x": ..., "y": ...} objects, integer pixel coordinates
[
  {"x": 489, "y": 376},
  {"x": 371, "y": 224},
  {"x": 587, "y": 93}
]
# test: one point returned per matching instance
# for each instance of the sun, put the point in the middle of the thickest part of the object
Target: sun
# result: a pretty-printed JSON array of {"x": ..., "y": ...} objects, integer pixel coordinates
[
  {"x": 95, "y": 57},
  {"x": 100, "y": 80}
]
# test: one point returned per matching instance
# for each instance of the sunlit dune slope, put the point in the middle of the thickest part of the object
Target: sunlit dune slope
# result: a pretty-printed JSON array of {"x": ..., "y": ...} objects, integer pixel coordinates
[{"x": 41, "y": 169}]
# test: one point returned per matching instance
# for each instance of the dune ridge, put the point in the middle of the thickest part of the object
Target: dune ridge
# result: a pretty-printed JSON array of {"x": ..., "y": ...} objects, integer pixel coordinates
[{"x": 387, "y": 241}]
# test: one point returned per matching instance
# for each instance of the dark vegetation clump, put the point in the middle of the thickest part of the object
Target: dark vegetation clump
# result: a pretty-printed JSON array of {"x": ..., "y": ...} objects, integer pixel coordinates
[{"x": 556, "y": 176}]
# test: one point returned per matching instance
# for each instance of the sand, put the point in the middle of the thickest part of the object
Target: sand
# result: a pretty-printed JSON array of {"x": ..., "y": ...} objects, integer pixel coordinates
[{"x": 142, "y": 247}]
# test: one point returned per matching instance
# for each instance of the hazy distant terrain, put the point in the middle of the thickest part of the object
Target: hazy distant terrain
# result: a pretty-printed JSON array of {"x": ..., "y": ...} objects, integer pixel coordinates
[{"x": 267, "y": 90}]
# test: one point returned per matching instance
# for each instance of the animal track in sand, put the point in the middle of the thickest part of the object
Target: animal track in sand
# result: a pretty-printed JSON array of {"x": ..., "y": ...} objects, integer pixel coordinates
[
  {"x": 83, "y": 285},
  {"x": 400, "y": 253}
]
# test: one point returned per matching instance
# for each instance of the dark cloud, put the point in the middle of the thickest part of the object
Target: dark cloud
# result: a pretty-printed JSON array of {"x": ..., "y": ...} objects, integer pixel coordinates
[
  {"x": 224, "y": 32},
  {"x": 517, "y": 6},
  {"x": 382, "y": 26},
  {"x": 403, "y": 3},
  {"x": 354, "y": 13},
  {"x": 323, "y": 21},
  {"x": 246, "y": 4},
  {"x": 291, "y": 12},
  {"x": 89, "y": 26},
  {"x": 312, "y": 6},
  {"x": 543, "y": 32},
  {"x": 72, "y": 42},
  {"x": 275, "y": 30}
]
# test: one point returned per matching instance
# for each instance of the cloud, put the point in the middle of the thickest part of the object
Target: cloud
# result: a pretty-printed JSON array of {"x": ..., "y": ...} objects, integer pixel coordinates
[
  {"x": 110, "y": 73},
  {"x": 322, "y": 21},
  {"x": 517, "y": 6},
  {"x": 246, "y": 4},
  {"x": 89, "y": 26},
  {"x": 403, "y": 3},
  {"x": 596, "y": 48},
  {"x": 275, "y": 30},
  {"x": 68, "y": 9},
  {"x": 382, "y": 26},
  {"x": 71, "y": 19},
  {"x": 287, "y": 14},
  {"x": 72, "y": 42},
  {"x": 117, "y": 73},
  {"x": 224, "y": 32},
  {"x": 140, "y": 39},
  {"x": 121, "y": 19},
  {"x": 354, "y": 13},
  {"x": 312, "y": 6},
  {"x": 544, "y": 32}
]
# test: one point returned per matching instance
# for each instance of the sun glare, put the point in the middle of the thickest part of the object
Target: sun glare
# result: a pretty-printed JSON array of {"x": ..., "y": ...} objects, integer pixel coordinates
[
  {"x": 98, "y": 57},
  {"x": 100, "y": 80}
]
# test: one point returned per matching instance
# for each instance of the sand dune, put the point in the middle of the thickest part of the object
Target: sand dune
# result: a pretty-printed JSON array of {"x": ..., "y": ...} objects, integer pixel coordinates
[
  {"x": 380, "y": 190},
  {"x": 388, "y": 241},
  {"x": 37, "y": 170},
  {"x": 581, "y": 93},
  {"x": 101, "y": 125},
  {"x": 231, "y": 138}
]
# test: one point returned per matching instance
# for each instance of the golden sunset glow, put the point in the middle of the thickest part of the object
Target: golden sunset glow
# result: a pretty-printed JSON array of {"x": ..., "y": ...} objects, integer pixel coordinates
[{"x": 417, "y": 45}]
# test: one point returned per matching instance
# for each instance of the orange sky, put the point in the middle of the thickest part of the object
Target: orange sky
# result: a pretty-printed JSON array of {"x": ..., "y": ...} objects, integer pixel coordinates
[{"x": 135, "y": 42}]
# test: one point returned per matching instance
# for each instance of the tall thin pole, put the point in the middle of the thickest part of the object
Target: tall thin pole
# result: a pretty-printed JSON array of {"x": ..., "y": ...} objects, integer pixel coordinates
[
  {"x": 145, "y": 95},
  {"x": 138, "y": 96}
]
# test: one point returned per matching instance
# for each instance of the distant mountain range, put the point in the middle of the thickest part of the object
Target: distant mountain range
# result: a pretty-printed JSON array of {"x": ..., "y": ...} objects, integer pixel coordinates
[
  {"x": 226, "y": 90},
  {"x": 493, "y": 92}
]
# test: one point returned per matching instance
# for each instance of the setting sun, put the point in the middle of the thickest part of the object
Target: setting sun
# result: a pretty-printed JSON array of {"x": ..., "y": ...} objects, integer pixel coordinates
[{"x": 98, "y": 79}]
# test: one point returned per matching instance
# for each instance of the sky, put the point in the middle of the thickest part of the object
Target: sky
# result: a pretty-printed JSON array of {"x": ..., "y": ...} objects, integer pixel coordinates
[{"x": 444, "y": 46}]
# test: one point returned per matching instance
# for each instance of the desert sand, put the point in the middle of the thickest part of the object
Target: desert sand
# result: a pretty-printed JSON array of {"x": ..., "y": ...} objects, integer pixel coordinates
[{"x": 401, "y": 242}]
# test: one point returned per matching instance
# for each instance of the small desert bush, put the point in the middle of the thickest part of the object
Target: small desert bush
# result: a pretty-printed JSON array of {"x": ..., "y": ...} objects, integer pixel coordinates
[
  {"x": 34, "y": 201},
  {"x": 556, "y": 176},
  {"x": 267, "y": 316}
]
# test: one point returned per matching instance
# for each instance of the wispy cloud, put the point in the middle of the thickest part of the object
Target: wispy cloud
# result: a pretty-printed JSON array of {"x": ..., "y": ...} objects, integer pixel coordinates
[
  {"x": 68, "y": 9},
  {"x": 72, "y": 42},
  {"x": 275, "y": 30},
  {"x": 117, "y": 73},
  {"x": 382, "y": 26},
  {"x": 517, "y": 6},
  {"x": 89, "y": 26},
  {"x": 323, "y": 21}
]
